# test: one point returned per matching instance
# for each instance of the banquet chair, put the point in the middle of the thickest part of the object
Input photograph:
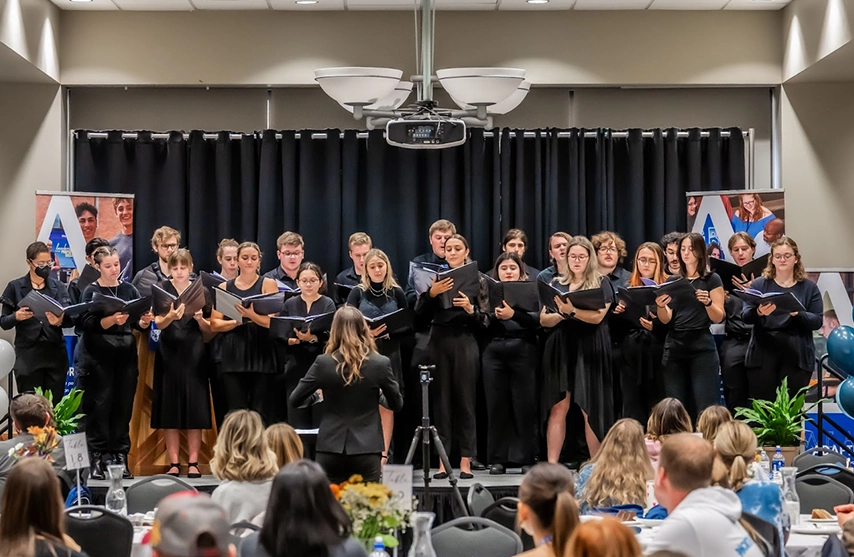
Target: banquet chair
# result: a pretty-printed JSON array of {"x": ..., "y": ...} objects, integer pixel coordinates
[
  {"x": 835, "y": 471},
  {"x": 490, "y": 539},
  {"x": 503, "y": 512},
  {"x": 99, "y": 532},
  {"x": 821, "y": 492},
  {"x": 478, "y": 499},
  {"x": 810, "y": 458},
  {"x": 771, "y": 544},
  {"x": 144, "y": 495}
]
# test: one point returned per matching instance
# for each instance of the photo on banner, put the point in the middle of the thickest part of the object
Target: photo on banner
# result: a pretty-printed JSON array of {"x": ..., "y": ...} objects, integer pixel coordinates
[
  {"x": 65, "y": 221},
  {"x": 718, "y": 215}
]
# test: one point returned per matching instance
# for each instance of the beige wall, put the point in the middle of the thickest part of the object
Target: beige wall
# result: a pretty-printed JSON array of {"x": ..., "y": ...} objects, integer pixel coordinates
[
  {"x": 814, "y": 29},
  {"x": 30, "y": 28}
]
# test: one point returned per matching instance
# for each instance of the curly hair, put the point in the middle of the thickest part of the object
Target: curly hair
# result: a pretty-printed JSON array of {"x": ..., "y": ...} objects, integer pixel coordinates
[
  {"x": 798, "y": 273},
  {"x": 241, "y": 452},
  {"x": 622, "y": 468}
]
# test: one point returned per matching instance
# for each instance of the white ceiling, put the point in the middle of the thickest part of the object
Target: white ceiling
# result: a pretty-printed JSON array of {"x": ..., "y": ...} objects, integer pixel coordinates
[{"x": 357, "y": 5}]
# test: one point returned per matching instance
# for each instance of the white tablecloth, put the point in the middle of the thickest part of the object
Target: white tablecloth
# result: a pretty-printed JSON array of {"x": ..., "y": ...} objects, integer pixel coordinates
[{"x": 140, "y": 550}]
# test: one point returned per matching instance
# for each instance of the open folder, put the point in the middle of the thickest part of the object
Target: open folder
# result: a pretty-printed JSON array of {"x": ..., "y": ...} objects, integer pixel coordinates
[
  {"x": 89, "y": 275},
  {"x": 519, "y": 295},
  {"x": 394, "y": 321},
  {"x": 591, "y": 299},
  {"x": 108, "y": 305},
  {"x": 193, "y": 298},
  {"x": 727, "y": 270},
  {"x": 262, "y": 304},
  {"x": 466, "y": 280},
  {"x": 421, "y": 275},
  {"x": 283, "y": 327},
  {"x": 785, "y": 301},
  {"x": 211, "y": 280},
  {"x": 634, "y": 311},
  {"x": 40, "y": 304},
  {"x": 679, "y": 290}
]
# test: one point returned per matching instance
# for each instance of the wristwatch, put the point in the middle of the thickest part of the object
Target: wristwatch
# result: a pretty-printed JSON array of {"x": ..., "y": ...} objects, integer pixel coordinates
[
  {"x": 710, "y": 303},
  {"x": 571, "y": 314}
]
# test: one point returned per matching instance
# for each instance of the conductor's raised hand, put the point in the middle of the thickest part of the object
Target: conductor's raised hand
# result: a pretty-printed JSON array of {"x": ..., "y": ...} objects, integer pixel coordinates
[{"x": 440, "y": 286}]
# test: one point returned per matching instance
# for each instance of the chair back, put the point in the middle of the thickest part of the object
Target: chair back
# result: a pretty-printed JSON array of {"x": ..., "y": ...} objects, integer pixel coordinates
[
  {"x": 144, "y": 495},
  {"x": 817, "y": 491},
  {"x": 504, "y": 512},
  {"x": 835, "y": 471},
  {"x": 240, "y": 530},
  {"x": 818, "y": 455},
  {"x": 99, "y": 532},
  {"x": 478, "y": 498},
  {"x": 769, "y": 543},
  {"x": 457, "y": 539}
]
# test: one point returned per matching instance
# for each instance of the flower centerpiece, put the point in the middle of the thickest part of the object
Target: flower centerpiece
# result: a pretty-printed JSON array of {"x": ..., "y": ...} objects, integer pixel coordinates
[
  {"x": 45, "y": 440},
  {"x": 373, "y": 509}
]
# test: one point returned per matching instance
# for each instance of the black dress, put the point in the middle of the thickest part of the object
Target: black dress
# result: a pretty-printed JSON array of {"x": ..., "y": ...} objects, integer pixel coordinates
[{"x": 181, "y": 399}]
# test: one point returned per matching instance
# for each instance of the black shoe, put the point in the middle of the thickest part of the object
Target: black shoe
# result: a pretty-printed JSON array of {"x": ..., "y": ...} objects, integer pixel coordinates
[
  {"x": 466, "y": 476},
  {"x": 526, "y": 468},
  {"x": 496, "y": 470},
  {"x": 176, "y": 466},
  {"x": 477, "y": 465},
  {"x": 197, "y": 473},
  {"x": 122, "y": 459},
  {"x": 96, "y": 469},
  {"x": 440, "y": 476}
]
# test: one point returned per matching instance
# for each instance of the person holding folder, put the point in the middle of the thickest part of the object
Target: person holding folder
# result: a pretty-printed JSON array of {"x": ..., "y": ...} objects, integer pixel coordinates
[
  {"x": 377, "y": 295},
  {"x": 290, "y": 249},
  {"x": 226, "y": 256},
  {"x": 248, "y": 360},
  {"x": 690, "y": 355},
  {"x": 510, "y": 363},
  {"x": 454, "y": 350},
  {"x": 516, "y": 241},
  {"x": 40, "y": 356},
  {"x": 107, "y": 367},
  {"x": 359, "y": 244},
  {"x": 580, "y": 370},
  {"x": 89, "y": 275},
  {"x": 781, "y": 344},
  {"x": 181, "y": 398},
  {"x": 305, "y": 346}
]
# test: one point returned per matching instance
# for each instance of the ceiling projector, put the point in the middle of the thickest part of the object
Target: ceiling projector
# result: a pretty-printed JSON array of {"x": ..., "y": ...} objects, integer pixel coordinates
[{"x": 425, "y": 131}]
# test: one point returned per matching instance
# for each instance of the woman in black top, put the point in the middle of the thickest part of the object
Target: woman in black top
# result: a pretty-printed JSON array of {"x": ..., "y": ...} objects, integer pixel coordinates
[
  {"x": 107, "y": 368},
  {"x": 226, "y": 256},
  {"x": 40, "y": 356},
  {"x": 781, "y": 344},
  {"x": 454, "y": 350},
  {"x": 181, "y": 398},
  {"x": 690, "y": 355},
  {"x": 304, "y": 347},
  {"x": 378, "y": 295},
  {"x": 248, "y": 361},
  {"x": 510, "y": 363}
]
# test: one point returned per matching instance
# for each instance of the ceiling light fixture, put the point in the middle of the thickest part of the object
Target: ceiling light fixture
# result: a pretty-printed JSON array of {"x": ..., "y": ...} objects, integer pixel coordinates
[
  {"x": 538, "y": 1},
  {"x": 81, "y": 1},
  {"x": 306, "y": 2}
]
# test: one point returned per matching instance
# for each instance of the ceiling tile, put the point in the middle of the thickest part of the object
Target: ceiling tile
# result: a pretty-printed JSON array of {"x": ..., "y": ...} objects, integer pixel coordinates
[
  {"x": 688, "y": 4},
  {"x": 322, "y": 5},
  {"x": 612, "y": 4},
  {"x": 230, "y": 4},
  {"x": 523, "y": 5},
  {"x": 409, "y": 5},
  {"x": 754, "y": 5},
  {"x": 155, "y": 5},
  {"x": 94, "y": 5}
]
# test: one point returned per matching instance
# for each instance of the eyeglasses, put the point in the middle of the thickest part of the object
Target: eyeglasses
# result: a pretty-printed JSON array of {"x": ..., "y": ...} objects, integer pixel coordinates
[
  {"x": 309, "y": 281},
  {"x": 609, "y": 249},
  {"x": 783, "y": 256},
  {"x": 645, "y": 261},
  {"x": 169, "y": 246},
  {"x": 46, "y": 265},
  {"x": 291, "y": 254},
  {"x": 578, "y": 257}
]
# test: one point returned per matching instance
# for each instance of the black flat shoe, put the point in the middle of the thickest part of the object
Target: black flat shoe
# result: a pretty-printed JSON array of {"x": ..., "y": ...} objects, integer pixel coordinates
[
  {"x": 497, "y": 470},
  {"x": 96, "y": 470},
  {"x": 440, "y": 476},
  {"x": 477, "y": 465},
  {"x": 122, "y": 459},
  {"x": 196, "y": 474},
  {"x": 466, "y": 476},
  {"x": 176, "y": 466}
]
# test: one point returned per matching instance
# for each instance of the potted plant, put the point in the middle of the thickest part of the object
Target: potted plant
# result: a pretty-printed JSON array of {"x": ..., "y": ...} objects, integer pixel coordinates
[
  {"x": 779, "y": 422},
  {"x": 65, "y": 411}
]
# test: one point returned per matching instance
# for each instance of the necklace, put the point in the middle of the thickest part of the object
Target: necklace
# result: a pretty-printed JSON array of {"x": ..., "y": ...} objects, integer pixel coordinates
[
  {"x": 37, "y": 285},
  {"x": 114, "y": 290},
  {"x": 377, "y": 292}
]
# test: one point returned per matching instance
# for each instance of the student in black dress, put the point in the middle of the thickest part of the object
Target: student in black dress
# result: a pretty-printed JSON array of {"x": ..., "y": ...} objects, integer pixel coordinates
[
  {"x": 510, "y": 363},
  {"x": 164, "y": 242},
  {"x": 516, "y": 241},
  {"x": 454, "y": 350},
  {"x": 226, "y": 256},
  {"x": 733, "y": 349},
  {"x": 781, "y": 344},
  {"x": 359, "y": 244},
  {"x": 353, "y": 377},
  {"x": 180, "y": 398},
  {"x": 670, "y": 245},
  {"x": 248, "y": 359},
  {"x": 290, "y": 249},
  {"x": 75, "y": 289},
  {"x": 582, "y": 373},
  {"x": 40, "y": 356},
  {"x": 378, "y": 295},
  {"x": 107, "y": 368},
  {"x": 690, "y": 355},
  {"x": 641, "y": 381},
  {"x": 305, "y": 346}
]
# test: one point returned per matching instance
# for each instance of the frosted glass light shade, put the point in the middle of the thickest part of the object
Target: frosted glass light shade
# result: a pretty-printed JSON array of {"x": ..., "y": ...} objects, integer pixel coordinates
[
  {"x": 505, "y": 106},
  {"x": 357, "y": 86},
  {"x": 391, "y": 102},
  {"x": 481, "y": 85}
]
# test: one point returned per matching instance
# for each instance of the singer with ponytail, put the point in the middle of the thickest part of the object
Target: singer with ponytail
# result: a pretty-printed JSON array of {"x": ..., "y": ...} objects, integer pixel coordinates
[{"x": 547, "y": 511}]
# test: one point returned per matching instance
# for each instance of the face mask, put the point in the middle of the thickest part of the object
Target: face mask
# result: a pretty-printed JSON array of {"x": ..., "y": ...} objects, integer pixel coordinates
[{"x": 42, "y": 272}]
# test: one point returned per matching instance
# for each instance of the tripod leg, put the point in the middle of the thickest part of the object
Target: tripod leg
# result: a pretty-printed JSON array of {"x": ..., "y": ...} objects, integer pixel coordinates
[
  {"x": 452, "y": 478},
  {"x": 414, "y": 445}
]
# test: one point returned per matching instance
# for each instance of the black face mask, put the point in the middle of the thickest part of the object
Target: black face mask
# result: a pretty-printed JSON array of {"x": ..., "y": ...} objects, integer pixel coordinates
[{"x": 42, "y": 272}]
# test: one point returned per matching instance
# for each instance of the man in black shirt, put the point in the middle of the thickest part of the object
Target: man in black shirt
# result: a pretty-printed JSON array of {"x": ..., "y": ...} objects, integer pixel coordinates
[
  {"x": 290, "y": 249},
  {"x": 517, "y": 241},
  {"x": 359, "y": 245},
  {"x": 440, "y": 231},
  {"x": 164, "y": 242}
]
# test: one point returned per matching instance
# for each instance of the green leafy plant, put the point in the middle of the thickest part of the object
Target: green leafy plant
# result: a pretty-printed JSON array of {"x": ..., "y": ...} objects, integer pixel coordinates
[
  {"x": 779, "y": 421},
  {"x": 65, "y": 411}
]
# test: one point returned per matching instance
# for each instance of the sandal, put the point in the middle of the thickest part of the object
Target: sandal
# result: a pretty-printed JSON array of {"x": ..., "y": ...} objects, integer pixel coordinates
[
  {"x": 177, "y": 466},
  {"x": 197, "y": 473}
]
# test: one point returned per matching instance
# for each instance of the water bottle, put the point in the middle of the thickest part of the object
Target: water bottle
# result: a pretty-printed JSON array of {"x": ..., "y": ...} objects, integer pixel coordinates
[
  {"x": 765, "y": 464},
  {"x": 777, "y": 463},
  {"x": 379, "y": 548}
]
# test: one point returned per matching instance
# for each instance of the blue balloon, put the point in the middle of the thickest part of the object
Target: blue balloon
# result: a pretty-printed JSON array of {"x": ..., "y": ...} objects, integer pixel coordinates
[
  {"x": 840, "y": 348},
  {"x": 845, "y": 397}
]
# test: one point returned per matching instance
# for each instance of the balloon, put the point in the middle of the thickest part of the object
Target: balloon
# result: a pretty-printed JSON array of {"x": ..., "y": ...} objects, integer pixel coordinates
[
  {"x": 4, "y": 402},
  {"x": 845, "y": 397},
  {"x": 7, "y": 358},
  {"x": 840, "y": 348}
]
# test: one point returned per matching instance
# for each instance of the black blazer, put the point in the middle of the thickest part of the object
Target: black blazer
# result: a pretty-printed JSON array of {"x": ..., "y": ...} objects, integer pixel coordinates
[
  {"x": 31, "y": 331},
  {"x": 351, "y": 418}
]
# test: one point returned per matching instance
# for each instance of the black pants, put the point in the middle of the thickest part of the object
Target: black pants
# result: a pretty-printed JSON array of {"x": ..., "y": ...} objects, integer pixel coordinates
[
  {"x": 734, "y": 372},
  {"x": 509, "y": 380},
  {"x": 454, "y": 393},
  {"x": 640, "y": 370},
  {"x": 43, "y": 365},
  {"x": 339, "y": 467},
  {"x": 691, "y": 370},
  {"x": 776, "y": 363},
  {"x": 248, "y": 391},
  {"x": 310, "y": 416}
]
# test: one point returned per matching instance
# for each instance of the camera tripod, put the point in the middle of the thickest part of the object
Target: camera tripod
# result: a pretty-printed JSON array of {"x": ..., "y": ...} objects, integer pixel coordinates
[{"x": 427, "y": 434}]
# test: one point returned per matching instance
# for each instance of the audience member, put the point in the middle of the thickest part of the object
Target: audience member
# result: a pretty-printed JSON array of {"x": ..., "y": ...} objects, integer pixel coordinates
[
  {"x": 844, "y": 514},
  {"x": 603, "y": 538},
  {"x": 710, "y": 421},
  {"x": 617, "y": 475},
  {"x": 244, "y": 465},
  {"x": 191, "y": 524},
  {"x": 283, "y": 440},
  {"x": 667, "y": 417},
  {"x": 32, "y": 522},
  {"x": 303, "y": 519},
  {"x": 547, "y": 511},
  {"x": 703, "y": 521}
]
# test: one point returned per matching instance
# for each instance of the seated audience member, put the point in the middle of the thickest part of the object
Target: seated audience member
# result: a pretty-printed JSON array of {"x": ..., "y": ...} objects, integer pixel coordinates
[
  {"x": 244, "y": 465},
  {"x": 844, "y": 514},
  {"x": 711, "y": 420},
  {"x": 617, "y": 475},
  {"x": 32, "y": 522},
  {"x": 547, "y": 511},
  {"x": 30, "y": 410},
  {"x": 735, "y": 447},
  {"x": 703, "y": 521},
  {"x": 667, "y": 417},
  {"x": 603, "y": 538},
  {"x": 283, "y": 440},
  {"x": 188, "y": 524},
  {"x": 303, "y": 518}
]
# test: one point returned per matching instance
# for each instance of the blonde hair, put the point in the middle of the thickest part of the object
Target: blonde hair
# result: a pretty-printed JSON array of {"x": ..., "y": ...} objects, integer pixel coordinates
[
  {"x": 350, "y": 343},
  {"x": 710, "y": 421},
  {"x": 622, "y": 468},
  {"x": 798, "y": 273},
  {"x": 603, "y": 538},
  {"x": 735, "y": 447},
  {"x": 241, "y": 452},
  {"x": 289, "y": 239},
  {"x": 667, "y": 417},
  {"x": 591, "y": 278},
  {"x": 285, "y": 443},
  {"x": 163, "y": 233},
  {"x": 443, "y": 225},
  {"x": 225, "y": 243},
  {"x": 547, "y": 490},
  {"x": 359, "y": 239},
  {"x": 388, "y": 281}
]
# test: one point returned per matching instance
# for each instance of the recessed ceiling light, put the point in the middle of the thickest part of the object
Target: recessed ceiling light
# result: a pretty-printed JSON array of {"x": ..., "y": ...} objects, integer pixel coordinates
[
  {"x": 538, "y": 1},
  {"x": 306, "y": 2},
  {"x": 82, "y": 1}
]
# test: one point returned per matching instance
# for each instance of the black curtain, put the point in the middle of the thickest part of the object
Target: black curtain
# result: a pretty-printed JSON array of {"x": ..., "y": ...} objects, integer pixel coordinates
[{"x": 326, "y": 185}]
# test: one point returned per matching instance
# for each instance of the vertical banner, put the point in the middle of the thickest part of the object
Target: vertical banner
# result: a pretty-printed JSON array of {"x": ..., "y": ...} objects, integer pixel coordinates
[
  {"x": 65, "y": 221},
  {"x": 718, "y": 215}
]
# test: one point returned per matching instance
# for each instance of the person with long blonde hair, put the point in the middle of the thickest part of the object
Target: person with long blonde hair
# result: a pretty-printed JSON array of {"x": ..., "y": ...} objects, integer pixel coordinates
[
  {"x": 285, "y": 443},
  {"x": 711, "y": 420},
  {"x": 617, "y": 475},
  {"x": 547, "y": 511},
  {"x": 352, "y": 377},
  {"x": 667, "y": 418},
  {"x": 244, "y": 465},
  {"x": 603, "y": 538}
]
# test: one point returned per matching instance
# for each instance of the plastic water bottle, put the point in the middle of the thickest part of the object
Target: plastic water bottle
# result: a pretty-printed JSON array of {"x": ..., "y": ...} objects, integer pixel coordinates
[
  {"x": 379, "y": 548},
  {"x": 765, "y": 464},
  {"x": 777, "y": 463}
]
